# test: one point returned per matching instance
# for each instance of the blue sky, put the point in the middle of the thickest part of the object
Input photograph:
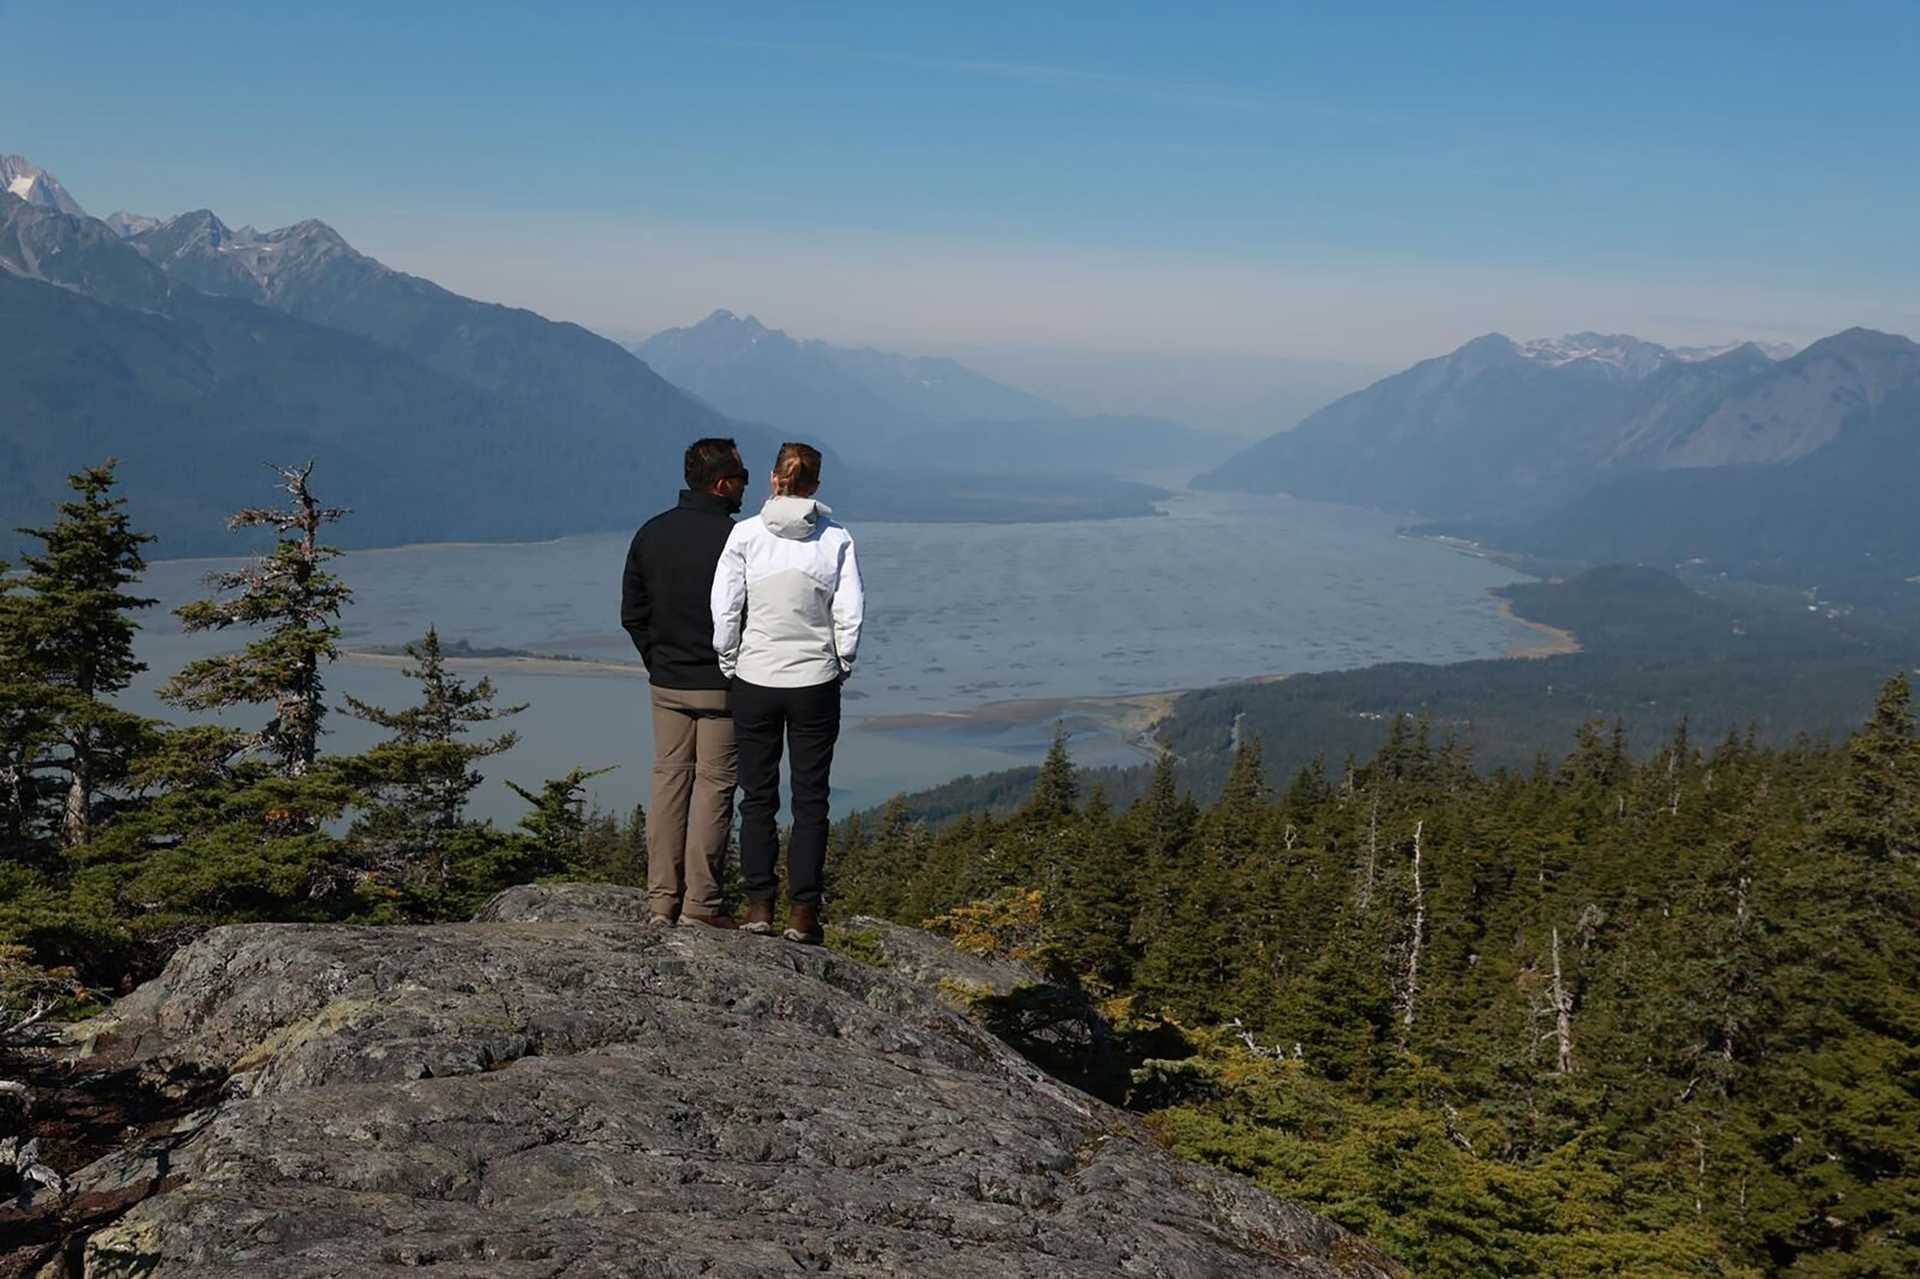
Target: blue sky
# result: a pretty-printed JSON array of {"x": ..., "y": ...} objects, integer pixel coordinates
[{"x": 1318, "y": 181}]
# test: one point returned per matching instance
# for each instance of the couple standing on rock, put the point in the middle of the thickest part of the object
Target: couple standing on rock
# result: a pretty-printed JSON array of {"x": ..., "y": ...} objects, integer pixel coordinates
[{"x": 748, "y": 630}]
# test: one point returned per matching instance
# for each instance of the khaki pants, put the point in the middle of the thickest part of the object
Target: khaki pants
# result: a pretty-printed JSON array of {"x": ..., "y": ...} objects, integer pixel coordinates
[{"x": 691, "y": 814}]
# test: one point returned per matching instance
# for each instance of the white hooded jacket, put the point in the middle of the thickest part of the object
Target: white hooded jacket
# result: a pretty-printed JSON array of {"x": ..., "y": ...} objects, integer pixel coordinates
[{"x": 787, "y": 602}]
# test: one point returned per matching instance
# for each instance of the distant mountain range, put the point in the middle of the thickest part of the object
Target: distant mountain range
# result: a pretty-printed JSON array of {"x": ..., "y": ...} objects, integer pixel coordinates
[
  {"x": 196, "y": 352},
  {"x": 859, "y": 399},
  {"x": 877, "y": 404},
  {"x": 104, "y": 352},
  {"x": 1756, "y": 461}
]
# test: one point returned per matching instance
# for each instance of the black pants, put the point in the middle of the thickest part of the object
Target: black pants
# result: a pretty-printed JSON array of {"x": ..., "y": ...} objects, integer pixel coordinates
[{"x": 765, "y": 719}]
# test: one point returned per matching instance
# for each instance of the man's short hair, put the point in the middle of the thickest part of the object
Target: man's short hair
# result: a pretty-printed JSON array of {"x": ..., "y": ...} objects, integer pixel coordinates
[{"x": 709, "y": 461}]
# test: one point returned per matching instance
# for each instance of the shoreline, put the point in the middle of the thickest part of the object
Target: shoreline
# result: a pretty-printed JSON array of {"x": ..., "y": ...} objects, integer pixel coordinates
[
  {"x": 1130, "y": 718},
  {"x": 1153, "y": 511},
  {"x": 521, "y": 665},
  {"x": 1554, "y": 641}
]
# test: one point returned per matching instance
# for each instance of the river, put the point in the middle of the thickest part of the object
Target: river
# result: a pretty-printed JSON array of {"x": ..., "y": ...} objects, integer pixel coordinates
[{"x": 1216, "y": 588}]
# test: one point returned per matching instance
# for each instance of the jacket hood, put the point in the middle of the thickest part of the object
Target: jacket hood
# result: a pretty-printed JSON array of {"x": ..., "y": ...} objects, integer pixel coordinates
[{"x": 793, "y": 517}]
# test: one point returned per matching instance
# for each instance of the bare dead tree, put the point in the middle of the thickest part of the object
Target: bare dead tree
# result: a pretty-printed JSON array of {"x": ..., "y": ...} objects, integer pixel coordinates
[
  {"x": 1410, "y": 987},
  {"x": 1700, "y": 1172},
  {"x": 1373, "y": 850},
  {"x": 1562, "y": 1011},
  {"x": 1454, "y": 1132}
]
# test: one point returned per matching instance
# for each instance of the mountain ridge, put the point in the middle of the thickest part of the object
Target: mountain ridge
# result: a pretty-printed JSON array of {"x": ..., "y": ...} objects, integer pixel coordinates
[
  {"x": 472, "y": 420},
  {"x": 745, "y": 369},
  {"x": 934, "y": 409},
  {"x": 123, "y": 357},
  {"x": 1498, "y": 428}
]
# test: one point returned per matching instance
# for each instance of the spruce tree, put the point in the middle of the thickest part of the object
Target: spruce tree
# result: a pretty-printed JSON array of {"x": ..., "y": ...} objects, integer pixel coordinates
[
  {"x": 1189, "y": 964},
  {"x": 1056, "y": 793},
  {"x": 66, "y": 638},
  {"x": 1095, "y": 913},
  {"x": 556, "y": 827},
  {"x": 291, "y": 594},
  {"x": 1160, "y": 830},
  {"x": 420, "y": 779}
]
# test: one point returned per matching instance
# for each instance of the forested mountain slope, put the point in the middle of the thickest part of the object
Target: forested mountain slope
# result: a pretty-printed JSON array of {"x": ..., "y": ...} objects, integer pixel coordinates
[
  {"x": 194, "y": 402},
  {"x": 1841, "y": 517}
]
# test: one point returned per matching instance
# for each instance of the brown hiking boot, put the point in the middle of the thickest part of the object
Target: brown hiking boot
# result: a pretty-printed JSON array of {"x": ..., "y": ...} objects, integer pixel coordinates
[
  {"x": 759, "y": 918},
  {"x": 722, "y": 920},
  {"x": 803, "y": 924}
]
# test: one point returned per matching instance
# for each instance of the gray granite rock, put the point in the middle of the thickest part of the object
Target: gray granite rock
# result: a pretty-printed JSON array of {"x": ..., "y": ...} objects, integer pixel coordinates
[
  {"x": 931, "y": 961},
  {"x": 566, "y": 1090}
]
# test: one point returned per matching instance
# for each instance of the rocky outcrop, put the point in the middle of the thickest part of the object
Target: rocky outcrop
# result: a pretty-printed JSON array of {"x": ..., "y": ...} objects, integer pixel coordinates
[{"x": 562, "y": 1089}]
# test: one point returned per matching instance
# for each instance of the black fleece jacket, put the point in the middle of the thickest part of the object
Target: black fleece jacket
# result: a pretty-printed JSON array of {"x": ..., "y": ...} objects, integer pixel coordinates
[{"x": 665, "y": 591}]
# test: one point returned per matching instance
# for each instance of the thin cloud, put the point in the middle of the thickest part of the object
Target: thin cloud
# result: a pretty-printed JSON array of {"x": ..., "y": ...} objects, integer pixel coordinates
[
  {"x": 1143, "y": 88},
  {"x": 1165, "y": 92}
]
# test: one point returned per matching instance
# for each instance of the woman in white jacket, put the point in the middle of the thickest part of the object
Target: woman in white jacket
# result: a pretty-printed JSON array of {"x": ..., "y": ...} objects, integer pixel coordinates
[{"x": 786, "y": 624}]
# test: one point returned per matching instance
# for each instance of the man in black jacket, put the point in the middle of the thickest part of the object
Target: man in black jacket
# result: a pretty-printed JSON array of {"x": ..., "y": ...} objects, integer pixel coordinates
[{"x": 664, "y": 606}]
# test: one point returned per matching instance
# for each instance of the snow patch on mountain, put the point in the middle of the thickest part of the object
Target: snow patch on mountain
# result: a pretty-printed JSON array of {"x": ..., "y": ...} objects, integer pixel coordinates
[
  {"x": 1623, "y": 355},
  {"x": 22, "y": 178}
]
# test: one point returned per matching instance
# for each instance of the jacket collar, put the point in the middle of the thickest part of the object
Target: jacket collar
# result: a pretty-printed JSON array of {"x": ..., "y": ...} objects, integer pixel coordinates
[{"x": 692, "y": 501}]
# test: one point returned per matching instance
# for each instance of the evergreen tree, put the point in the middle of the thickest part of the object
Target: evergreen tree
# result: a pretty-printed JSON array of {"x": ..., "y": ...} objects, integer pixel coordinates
[
  {"x": 1160, "y": 831},
  {"x": 420, "y": 778},
  {"x": 293, "y": 596},
  {"x": 555, "y": 829},
  {"x": 67, "y": 640},
  {"x": 1095, "y": 909},
  {"x": 1191, "y": 965},
  {"x": 1056, "y": 791}
]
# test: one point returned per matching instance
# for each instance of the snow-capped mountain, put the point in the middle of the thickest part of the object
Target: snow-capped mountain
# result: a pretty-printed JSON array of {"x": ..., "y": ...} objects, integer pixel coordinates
[
  {"x": 1630, "y": 357},
  {"x": 35, "y": 185}
]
